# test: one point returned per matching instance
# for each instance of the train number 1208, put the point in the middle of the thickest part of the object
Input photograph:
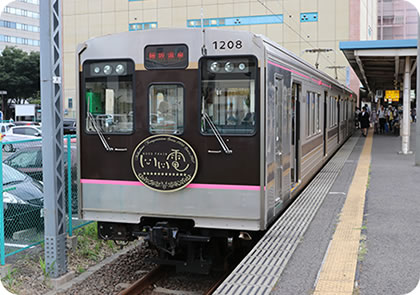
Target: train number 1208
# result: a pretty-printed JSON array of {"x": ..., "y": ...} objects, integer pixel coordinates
[{"x": 222, "y": 45}]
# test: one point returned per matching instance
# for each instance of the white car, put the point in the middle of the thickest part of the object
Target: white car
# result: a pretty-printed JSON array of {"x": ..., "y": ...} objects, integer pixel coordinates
[
  {"x": 25, "y": 131},
  {"x": 4, "y": 127}
]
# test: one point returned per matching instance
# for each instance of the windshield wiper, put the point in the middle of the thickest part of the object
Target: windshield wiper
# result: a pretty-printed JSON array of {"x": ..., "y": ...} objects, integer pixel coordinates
[
  {"x": 101, "y": 136},
  {"x": 213, "y": 128}
]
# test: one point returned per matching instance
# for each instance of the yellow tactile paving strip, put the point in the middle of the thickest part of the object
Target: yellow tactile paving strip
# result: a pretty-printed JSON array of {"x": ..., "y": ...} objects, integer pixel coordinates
[{"x": 339, "y": 268}]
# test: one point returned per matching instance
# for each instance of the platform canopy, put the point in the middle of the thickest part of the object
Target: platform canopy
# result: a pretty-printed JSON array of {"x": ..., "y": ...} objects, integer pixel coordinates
[{"x": 380, "y": 64}]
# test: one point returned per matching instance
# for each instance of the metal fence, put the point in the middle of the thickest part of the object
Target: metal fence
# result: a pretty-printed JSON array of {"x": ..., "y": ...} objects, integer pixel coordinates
[{"x": 21, "y": 188}]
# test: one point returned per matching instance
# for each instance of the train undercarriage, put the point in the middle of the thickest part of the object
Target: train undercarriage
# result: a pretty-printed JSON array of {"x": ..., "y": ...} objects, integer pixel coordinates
[{"x": 179, "y": 244}]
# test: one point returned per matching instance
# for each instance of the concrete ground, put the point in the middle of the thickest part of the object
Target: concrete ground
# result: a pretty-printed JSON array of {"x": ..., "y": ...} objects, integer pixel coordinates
[
  {"x": 300, "y": 274},
  {"x": 391, "y": 264}
]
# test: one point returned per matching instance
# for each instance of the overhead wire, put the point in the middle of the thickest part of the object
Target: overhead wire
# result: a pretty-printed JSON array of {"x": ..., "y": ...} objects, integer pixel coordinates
[{"x": 297, "y": 33}]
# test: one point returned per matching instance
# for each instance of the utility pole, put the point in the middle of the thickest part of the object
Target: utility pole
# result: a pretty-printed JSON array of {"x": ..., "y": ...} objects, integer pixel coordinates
[
  {"x": 406, "y": 109},
  {"x": 317, "y": 51},
  {"x": 335, "y": 70},
  {"x": 52, "y": 138}
]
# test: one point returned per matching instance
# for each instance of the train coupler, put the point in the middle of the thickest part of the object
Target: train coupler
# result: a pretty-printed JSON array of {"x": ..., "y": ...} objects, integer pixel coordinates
[{"x": 167, "y": 238}]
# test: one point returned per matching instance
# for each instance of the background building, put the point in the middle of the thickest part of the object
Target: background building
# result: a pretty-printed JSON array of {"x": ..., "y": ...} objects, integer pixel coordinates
[
  {"x": 19, "y": 25},
  {"x": 397, "y": 19},
  {"x": 297, "y": 25}
]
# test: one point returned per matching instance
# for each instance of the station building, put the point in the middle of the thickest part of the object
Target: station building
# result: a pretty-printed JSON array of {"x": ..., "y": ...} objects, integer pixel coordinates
[
  {"x": 397, "y": 19},
  {"x": 19, "y": 25},
  {"x": 302, "y": 26}
]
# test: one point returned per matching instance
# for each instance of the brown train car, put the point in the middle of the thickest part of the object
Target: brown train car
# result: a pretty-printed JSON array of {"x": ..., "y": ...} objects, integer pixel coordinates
[{"x": 197, "y": 140}]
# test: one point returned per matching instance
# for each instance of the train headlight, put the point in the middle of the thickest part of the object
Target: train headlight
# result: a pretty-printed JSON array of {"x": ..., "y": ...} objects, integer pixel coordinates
[
  {"x": 120, "y": 69},
  {"x": 107, "y": 70},
  {"x": 97, "y": 70},
  {"x": 242, "y": 66},
  {"x": 229, "y": 67},
  {"x": 215, "y": 67}
]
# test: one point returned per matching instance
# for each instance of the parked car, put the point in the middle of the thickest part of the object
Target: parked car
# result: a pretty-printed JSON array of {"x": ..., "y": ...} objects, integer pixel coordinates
[
  {"x": 32, "y": 131},
  {"x": 23, "y": 202},
  {"x": 12, "y": 142},
  {"x": 69, "y": 126},
  {"x": 4, "y": 127},
  {"x": 29, "y": 161},
  {"x": 27, "y": 123}
]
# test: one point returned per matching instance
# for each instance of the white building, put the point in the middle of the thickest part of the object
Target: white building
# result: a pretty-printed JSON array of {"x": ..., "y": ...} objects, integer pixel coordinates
[{"x": 19, "y": 25}]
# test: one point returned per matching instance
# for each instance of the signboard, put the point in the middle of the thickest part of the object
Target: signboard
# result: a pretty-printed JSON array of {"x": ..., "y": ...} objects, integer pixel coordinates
[
  {"x": 166, "y": 57},
  {"x": 164, "y": 163},
  {"x": 393, "y": 95},
  {"x": 24, "y": 110}
]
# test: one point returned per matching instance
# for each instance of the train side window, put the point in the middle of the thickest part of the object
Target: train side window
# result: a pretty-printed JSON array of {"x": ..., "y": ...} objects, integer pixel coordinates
[
  {"x": 317, "y": 110},
  {"x": 308, "y": 114},
  {"x": 314, "y": 118},
  {"x": 166, "y": 108},
  {"x": 313, "y": 113}
]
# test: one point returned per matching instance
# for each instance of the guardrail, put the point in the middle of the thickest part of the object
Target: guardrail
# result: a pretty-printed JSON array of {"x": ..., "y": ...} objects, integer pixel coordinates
[{"x": 21, "y": 190}]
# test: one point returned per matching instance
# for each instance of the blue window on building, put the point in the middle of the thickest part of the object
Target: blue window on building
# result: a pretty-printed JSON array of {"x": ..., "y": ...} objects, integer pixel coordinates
[
  {"x": 309, "y": 17},
  {"x": 237, "y": 21},
  {"x": 142, "y": 26},
  {"x": 19, "y": 40}
]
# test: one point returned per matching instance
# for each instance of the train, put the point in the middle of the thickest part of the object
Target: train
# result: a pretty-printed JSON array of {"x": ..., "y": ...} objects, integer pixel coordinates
[{"x": 196, "y": 140}]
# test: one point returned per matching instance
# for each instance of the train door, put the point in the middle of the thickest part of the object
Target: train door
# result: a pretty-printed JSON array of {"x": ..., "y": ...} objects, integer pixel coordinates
[
  {"x": 278, "y": 117},
  {"x": 325, "y": 123},
  {"x": 295, "y": 140}
]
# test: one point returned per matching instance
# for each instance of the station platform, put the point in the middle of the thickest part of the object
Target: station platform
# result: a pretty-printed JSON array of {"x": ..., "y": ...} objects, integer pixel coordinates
[{"x": 353, "y": 230}]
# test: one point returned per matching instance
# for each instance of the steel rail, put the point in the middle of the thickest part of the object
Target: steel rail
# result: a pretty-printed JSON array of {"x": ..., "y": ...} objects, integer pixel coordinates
[
  {"x": 145, "y": 282},
  {"x": 218, "y": 283}
]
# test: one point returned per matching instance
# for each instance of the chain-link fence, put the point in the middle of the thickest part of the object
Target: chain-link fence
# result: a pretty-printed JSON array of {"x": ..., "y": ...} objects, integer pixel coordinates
[{"x": 21, "y": 187}]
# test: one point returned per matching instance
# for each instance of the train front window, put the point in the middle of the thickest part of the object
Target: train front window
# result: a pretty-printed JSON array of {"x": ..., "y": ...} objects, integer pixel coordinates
[
  {"x": 228, "y": 95},
  {"x": 166, "y": 108},
  {"x": 109, "y": 97}
]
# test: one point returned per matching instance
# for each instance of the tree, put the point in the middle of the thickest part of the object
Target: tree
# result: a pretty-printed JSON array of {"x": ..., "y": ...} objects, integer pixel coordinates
[{"x": 19, "y": 76}]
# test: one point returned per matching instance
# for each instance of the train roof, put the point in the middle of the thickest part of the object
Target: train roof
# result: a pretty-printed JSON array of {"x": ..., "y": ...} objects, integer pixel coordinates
[
  {"x": 305, "y": 63},
  {"x": 194, "y": 35}
]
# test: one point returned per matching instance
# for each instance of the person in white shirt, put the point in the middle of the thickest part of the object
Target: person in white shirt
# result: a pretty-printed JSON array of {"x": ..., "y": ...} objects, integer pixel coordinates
[{"x": 382, "y": 119}]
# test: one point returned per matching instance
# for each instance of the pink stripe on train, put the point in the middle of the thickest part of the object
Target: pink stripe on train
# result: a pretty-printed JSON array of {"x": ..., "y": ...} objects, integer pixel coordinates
[{"x": 192, "y": 185}]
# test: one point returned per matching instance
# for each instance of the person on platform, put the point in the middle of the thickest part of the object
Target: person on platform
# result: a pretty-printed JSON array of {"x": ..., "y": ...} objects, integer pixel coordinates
[
  {"x": 382, "y": 119},
  {"x": 356, "y": 117},
  {"x": 364, "y": 121},
  {"x": 390, "y": 116}
]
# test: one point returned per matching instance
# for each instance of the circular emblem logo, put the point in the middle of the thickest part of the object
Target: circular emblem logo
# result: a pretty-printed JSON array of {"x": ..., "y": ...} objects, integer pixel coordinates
[{"x": 164, "y": 163}]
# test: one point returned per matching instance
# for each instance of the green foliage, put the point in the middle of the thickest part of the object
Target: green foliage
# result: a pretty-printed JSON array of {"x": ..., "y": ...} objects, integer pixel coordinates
[
  {"x": 46, "y": 272},
  {"x": 9, "y": 280},
  {"x": 111, "y": 244},
  {"x": 19, "y": 73},
  {"x": 80, "y": 269},
  {"x": 88, "y": 243},
  {"x": 362, "y": 249}
]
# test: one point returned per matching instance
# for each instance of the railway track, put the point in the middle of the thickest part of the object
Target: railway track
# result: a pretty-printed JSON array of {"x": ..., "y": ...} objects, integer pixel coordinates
[{"x": 146, "y": 283}]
